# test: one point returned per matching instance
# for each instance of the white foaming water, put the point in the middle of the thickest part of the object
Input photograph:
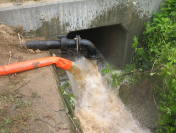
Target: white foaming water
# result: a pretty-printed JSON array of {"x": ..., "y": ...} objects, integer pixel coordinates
[{"x": 98, "y": 109}]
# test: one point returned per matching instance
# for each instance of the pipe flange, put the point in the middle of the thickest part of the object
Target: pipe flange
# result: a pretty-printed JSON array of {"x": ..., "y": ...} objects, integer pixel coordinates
[
  {"x": 78, "y": 46},
  {"x": 64, "y": 41}
]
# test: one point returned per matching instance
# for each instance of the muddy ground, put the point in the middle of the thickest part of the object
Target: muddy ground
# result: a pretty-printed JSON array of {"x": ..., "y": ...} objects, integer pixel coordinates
[{"x": 29, "y": 101}]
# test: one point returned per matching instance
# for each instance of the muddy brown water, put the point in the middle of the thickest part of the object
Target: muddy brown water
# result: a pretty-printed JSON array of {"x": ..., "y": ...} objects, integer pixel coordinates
[{"x": 98, "y": 109}]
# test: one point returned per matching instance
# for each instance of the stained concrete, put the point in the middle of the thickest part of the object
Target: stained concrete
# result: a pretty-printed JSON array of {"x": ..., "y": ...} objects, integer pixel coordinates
[{"x": 61, "y": 17}]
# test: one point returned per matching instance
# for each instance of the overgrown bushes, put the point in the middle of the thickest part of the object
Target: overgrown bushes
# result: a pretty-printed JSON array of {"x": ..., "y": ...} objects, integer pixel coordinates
[{"x": 159, "y": 53}]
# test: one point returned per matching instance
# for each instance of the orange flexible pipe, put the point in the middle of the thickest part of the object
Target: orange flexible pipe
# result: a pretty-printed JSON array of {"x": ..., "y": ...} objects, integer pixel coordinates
[{"x": 32, "y": 64}]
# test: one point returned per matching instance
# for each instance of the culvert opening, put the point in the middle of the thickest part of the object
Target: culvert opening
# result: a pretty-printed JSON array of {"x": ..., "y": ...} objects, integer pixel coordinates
[{"x": 109, "y": 40}]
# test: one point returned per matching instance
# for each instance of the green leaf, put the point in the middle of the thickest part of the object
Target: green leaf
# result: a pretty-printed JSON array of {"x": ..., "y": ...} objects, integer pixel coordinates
[
  {"x": 172, "y": 129},
  {"x": 140, "y": 69},
  {"x": 108, "y": 65},
  {"x": 74, "y": 118},
  {"x": 107, "y": 71},
  {"x": 8, "y": 121},
  {"x": 168, "y": 111},
  {"x": 151, "y": 74}
]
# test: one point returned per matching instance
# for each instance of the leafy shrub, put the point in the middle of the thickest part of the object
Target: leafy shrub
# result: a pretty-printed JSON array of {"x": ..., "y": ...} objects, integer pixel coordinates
[{"x": 159, "y": 50}]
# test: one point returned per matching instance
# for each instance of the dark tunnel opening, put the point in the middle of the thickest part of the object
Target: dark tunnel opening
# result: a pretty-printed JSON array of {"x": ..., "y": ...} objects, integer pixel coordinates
[{"x": 109, "y": 40}]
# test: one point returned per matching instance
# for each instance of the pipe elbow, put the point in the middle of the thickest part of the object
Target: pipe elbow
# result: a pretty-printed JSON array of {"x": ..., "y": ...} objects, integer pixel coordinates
[
  {"x": 92, "y": 52},
  {"x": 86, "y": 43}
]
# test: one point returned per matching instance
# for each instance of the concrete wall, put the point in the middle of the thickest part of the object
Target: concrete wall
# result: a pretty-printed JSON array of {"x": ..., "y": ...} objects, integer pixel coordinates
[{"x": 60, "y": 17}]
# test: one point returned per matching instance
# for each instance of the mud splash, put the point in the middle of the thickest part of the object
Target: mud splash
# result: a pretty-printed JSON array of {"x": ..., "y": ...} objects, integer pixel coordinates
[{"x": 98, "y": 109}]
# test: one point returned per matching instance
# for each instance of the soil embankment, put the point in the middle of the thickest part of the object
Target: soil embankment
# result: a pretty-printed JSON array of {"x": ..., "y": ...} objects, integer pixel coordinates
[{"x": 29, "y": 101}]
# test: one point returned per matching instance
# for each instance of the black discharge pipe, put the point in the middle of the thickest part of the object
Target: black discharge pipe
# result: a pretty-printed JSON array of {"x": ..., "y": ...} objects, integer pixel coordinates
[
  {"x": 43, "y": 45},
  {"x": 64, "y": 43}
]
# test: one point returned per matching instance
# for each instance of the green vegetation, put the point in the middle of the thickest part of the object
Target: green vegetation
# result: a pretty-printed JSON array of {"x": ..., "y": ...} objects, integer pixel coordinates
[
  {"x": 69, "y": 96},
  {"x": 160, "y": 54},
  {"x": 70, "y": 101},
  {"x": 157, "y": 55},
  {"x": 118, "y": 76}
]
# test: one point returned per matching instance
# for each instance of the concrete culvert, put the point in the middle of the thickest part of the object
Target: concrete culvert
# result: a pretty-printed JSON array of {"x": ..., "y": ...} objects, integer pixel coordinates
[{"x": 109, "y": 40}]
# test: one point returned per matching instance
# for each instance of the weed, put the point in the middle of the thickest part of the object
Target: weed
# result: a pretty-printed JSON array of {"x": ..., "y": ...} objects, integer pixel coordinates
[
  {"x": 69, "y": 96},
  {"x": 128, "y": 75},
  {"x": 27, "y": 103},
  {"x": 14, "y": 83},
  {"x": 33, "y": 95},
  {"x": 8, "y": 121},
  {"x": 159, "y": 56},
  {"x": 18, "y": 102}
]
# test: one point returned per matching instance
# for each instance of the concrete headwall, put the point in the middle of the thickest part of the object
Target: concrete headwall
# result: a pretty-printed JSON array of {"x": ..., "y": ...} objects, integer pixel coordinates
[{"x": 63, "y": 16}]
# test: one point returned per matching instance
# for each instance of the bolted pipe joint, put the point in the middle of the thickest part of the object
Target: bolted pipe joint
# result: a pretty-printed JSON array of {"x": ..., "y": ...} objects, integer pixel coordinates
[{"x": 79, "y": 44}]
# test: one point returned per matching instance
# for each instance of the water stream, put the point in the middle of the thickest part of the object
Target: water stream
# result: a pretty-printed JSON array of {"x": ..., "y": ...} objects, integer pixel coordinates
[{"x": 98, "y": 108}]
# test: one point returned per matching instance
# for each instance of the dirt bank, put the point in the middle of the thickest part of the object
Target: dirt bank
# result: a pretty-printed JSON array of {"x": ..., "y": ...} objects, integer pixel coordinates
[{"x": 29, "y": 101}]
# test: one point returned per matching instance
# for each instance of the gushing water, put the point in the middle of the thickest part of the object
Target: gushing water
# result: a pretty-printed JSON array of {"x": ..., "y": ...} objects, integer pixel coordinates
[{"x": 98, "y": 109}]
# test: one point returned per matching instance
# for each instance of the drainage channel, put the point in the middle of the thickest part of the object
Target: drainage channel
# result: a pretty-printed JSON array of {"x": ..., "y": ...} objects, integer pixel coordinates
[{"x": 63, "y": 83}]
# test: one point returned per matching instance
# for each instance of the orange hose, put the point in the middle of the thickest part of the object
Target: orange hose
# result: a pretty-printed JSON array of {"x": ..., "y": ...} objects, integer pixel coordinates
[{"x": 32, "y": 64}]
